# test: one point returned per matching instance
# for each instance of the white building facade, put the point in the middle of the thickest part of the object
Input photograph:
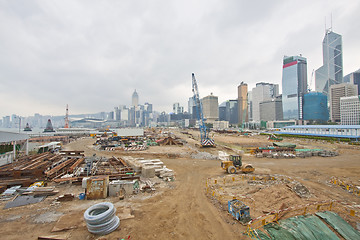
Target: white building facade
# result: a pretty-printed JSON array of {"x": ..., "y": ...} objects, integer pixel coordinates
[{"x": 350, "y": 110}]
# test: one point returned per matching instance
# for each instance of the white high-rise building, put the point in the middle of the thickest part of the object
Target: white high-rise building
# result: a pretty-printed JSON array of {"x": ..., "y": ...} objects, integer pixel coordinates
[
  {"x": 336, "y": 92},
  {"x": 262, "y": 92},
  {"x": 350, "y": 110},
  {"x": 191, "y": 104}
]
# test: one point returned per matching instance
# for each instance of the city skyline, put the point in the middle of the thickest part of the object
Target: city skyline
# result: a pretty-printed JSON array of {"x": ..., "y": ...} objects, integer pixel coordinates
[{"x": 77, "y": 53}]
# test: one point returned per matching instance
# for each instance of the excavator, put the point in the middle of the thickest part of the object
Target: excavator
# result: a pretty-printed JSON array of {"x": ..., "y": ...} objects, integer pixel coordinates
[{"x": 234, "y": 164}]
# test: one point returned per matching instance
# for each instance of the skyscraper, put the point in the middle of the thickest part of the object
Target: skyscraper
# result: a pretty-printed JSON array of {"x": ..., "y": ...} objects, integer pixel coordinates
[
  {"x": 331, "y": 72},
  {"x": 191, "y": 105},
  {"x": 336, "y": 92},
  {"x": 243, "y": 103},
  {"x": 294, "y": 84},
  {"x": 354, "y": 78},
  {"x": 315, "y": 107},
  {"x": 210, "y": 108},
  {"x": 262, "y": 92},
  {"x": 135, "y": 99}
]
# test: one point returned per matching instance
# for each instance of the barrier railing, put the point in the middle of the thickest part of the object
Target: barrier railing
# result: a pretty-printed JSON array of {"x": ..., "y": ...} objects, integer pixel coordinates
[{"x": 346, "y": 186}]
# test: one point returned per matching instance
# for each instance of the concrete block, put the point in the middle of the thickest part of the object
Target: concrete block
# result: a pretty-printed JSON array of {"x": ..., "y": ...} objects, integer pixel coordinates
[{"x": 148, "y": 172}]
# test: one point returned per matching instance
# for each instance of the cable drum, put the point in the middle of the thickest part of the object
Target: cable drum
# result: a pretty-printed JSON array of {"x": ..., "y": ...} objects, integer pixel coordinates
[{"x": 101, "y": 219}]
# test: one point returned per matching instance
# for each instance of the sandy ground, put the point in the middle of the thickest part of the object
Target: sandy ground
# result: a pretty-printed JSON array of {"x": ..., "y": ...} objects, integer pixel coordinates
[{"x": 181, "y": 209}]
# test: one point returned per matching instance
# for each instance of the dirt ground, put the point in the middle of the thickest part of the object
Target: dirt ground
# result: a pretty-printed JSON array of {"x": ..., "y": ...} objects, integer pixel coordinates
[{"x": 182, "y": 209}]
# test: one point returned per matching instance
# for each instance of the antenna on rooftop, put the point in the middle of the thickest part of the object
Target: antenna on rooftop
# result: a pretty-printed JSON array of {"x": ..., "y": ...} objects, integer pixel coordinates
[
  {"x": 331, "y": 21},
  {"x": 325, "y": 25}
]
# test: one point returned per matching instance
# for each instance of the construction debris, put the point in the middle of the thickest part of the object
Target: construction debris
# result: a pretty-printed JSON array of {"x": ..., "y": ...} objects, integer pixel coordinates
[{"x": 65, "y": 197}]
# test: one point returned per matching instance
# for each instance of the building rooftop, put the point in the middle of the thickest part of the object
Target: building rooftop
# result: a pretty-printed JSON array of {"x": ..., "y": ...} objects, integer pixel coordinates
[{"x": 325, "y": 126}]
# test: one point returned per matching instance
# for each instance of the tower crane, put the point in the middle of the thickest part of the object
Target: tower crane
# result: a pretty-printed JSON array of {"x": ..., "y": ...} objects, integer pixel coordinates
[
  {"x": 311, "y": 80},
  {"x": 205, "y": 140}
]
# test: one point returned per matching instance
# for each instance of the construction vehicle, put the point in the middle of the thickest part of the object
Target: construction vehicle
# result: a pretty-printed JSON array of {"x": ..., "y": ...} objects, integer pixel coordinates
[
  {"x": 239, "y": 210},
  {"x": 205, "y": 140},
  {"x": 234, "y": 164},
  {"x": 275, "y": 138}
]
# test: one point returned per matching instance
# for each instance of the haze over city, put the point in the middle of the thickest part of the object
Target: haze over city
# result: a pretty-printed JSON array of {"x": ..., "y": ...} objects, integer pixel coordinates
[{"x": 93, "y": 54}]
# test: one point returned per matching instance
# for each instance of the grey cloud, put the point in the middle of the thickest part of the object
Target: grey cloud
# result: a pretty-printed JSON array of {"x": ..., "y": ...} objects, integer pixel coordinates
[{"x": 93, "y": 54}]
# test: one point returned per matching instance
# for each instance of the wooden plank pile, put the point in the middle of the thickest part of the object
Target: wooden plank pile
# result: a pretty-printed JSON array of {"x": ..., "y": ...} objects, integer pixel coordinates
[{"x": 169, "y": 141}]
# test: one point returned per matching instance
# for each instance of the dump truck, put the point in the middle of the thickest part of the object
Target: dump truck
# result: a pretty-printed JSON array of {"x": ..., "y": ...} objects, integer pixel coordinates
[{"x": 234, "y": 164}]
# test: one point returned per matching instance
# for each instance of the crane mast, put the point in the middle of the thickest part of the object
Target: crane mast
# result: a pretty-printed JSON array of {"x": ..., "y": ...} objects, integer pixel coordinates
[{"x": 205, "y": 140}]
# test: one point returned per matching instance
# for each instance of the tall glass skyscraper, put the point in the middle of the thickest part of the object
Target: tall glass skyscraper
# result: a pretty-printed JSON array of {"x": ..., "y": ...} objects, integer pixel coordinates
[
  {"x": 331, "y": 72},
  {"x": 294, "y": 86}
]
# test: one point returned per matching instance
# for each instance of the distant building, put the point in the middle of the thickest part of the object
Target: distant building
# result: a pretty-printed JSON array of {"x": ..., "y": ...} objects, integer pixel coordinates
[
  {"x": 243, "y": 115},
  {"x": 294, "y": 86},
  {"x": 6, "y": 122},
  {"x": 336, "y": 92},
  {"x": 354, "y": 78},
  {"x": 271, "y": 110},
  {"x": 335, "y": 131},
  {"x": 228, "y": 111},
  {"x": 220, "y": 125},
  {"x": 191, "y": 105},
  {"x": 232, "y": 106},
  {"x": 262, "y": 92},
  {"x": 315, "y": 107},
  {"x": 210, "y": 108},
  {"x": 135, "y": 99},
  {"x": 222, "y": 112},
  {"x": 177, "y": 108},
  {"x": 350, "y": 110},
  {"x": 331, "y": 72},
  {"x": 250, "y": 106}
]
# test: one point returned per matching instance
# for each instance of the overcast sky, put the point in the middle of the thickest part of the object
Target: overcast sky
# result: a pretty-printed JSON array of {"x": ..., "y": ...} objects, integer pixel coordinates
[{"x": 93, "y": 54}]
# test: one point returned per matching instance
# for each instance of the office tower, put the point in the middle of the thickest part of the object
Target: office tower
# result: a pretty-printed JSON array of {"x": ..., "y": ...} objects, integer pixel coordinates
[
  {"x": 177, "y": 108},
  {"x": 228, "y": 111},
  {"x": 233, "y": 114},
  {"x": 135, "y": 99},
  {"x": 222, "y": 112},
  {"x": 315, "y": 107},
  {"x": 271, "y": 110},
  {"x": 191, "y": 105},
  {"x": 117, "y": 114},
  {"x": 331, "y": 72},
  {"x": 210, "y": 108},
  {"x": 294, "y": 86},
  {"x": 148, "y": 107},
  {"x": 6, "y": 122},
  {"x": 354, "y": 78},
  {"x": 336, "y": 92},
  {"x": 350, "y": 110},
  {"x": 262, "y": 92},
  {"x": 243, "y": 116},
  {"x": 250, "y": 106}
]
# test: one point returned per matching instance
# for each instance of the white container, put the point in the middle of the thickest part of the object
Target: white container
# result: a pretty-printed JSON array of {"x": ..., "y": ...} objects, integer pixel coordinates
[{"x": 83, "y": 183}]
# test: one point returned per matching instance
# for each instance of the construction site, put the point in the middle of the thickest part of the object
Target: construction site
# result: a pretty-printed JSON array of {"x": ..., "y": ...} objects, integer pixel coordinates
[{"x": 163, "y": 185}]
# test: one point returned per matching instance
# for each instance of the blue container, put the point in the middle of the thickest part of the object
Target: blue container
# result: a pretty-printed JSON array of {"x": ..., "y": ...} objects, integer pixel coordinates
[{"x": 82, "y": 196}]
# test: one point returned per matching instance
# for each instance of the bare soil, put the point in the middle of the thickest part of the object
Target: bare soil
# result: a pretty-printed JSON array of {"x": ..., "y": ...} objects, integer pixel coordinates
[{"x": 182, "y": 209}]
